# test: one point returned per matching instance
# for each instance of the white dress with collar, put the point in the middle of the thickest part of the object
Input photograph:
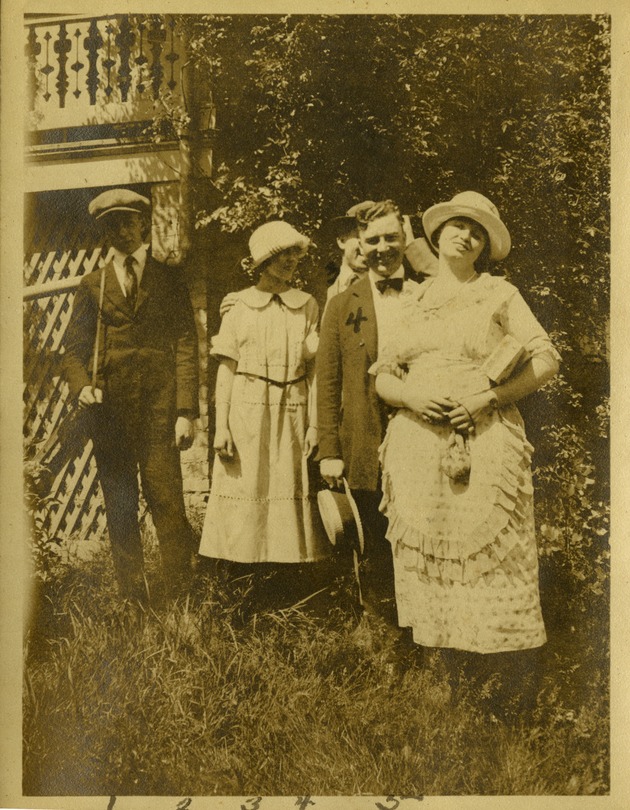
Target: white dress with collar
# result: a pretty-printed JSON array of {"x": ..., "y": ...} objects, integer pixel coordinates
[
  {"x": 465, "y": 557},
  {"x": 260, "y": 508}
]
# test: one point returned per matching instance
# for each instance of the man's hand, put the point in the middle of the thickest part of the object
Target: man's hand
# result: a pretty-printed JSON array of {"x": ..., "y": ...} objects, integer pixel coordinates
[
  {"x": 184, "y": 433},
  {"x": 223, "y": 444},
  {"x": 227, "y": 303},
  {"x": 331, "y": 470},
  {"x": 90, "y": 396}
]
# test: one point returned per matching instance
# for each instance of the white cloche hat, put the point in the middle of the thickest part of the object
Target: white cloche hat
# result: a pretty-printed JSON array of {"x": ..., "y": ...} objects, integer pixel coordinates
[{"x": 272, "y": 238}]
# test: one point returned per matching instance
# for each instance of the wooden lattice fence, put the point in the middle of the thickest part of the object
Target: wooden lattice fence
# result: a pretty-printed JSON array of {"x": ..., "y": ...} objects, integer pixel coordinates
[{"x": 74, "y": 502}]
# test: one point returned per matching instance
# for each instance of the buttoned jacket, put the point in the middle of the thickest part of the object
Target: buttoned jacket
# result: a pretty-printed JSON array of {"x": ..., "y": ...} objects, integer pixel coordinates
[
  {"x": 148, "y": 353},
  {"x": 351, "y": 417}
]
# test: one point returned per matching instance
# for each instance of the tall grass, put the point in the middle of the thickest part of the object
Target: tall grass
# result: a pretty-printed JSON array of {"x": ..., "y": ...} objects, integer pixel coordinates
[{"x": 228, "y": 693}]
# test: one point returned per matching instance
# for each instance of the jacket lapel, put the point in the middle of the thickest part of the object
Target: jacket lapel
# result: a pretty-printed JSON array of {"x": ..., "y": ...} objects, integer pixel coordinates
[
  {"x": 362, "y": 315},
  {"x": 146, "y": 287}
]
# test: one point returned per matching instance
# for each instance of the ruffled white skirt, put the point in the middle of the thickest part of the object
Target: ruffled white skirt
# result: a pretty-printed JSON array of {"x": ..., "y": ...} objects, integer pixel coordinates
[{"x": 465, "y": 559}]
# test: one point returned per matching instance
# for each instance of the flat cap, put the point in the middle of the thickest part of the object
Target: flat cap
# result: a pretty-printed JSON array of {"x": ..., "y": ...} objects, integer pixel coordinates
[
  {"x": 345, "y": 224},
  {"x": 118, "y": 199}
]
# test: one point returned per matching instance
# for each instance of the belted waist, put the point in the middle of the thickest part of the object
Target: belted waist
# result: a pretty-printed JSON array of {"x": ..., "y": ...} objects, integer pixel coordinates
[{"x": 277, "y": 383}]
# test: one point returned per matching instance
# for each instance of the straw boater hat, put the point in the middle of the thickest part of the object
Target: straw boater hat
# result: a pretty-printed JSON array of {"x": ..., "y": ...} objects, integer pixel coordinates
[
  {"x": 475, "y": 206},
  {"x": 340, "y": 516},
  {"x": 118, "y": 199},
  {"x": 272, "y": 238}
]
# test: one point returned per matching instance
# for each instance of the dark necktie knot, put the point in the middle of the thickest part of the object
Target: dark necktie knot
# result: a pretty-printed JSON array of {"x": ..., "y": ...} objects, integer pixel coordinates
[
  {"x": 275, "y": 297},
  {"x": 389, "y": 284}
]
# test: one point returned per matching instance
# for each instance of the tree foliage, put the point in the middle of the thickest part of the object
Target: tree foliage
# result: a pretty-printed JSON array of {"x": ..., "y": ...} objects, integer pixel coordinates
[{"x": 317, "y": 112}]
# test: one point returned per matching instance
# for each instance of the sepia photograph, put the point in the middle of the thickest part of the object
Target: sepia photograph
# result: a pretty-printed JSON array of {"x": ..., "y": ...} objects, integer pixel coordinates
[{"x": 307, "y": 328}]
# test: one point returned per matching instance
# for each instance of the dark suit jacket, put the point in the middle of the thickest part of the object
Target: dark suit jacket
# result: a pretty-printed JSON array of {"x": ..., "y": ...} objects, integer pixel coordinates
[
  {"x": 351, "y": 417},
  {"x": 148, "y": 357}
]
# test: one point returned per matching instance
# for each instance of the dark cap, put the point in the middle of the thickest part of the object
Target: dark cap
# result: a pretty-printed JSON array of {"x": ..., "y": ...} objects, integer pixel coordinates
[{"x": 348, "y": 222}]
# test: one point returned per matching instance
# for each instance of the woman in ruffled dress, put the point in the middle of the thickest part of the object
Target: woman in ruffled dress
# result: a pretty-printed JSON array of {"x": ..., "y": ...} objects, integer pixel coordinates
[
  {"x": 455, "y": 460},
  {"x": 260, "y": 509}
]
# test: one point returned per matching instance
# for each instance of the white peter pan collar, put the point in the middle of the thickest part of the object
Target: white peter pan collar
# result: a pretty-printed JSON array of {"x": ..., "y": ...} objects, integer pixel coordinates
[{"x": 257, "y": 299}]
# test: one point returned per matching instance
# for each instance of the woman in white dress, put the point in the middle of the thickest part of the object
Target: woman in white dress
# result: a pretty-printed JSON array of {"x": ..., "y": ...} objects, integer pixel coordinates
[
  {"x": 260, "y": 508},
  {"x": 456, "y": 462}
]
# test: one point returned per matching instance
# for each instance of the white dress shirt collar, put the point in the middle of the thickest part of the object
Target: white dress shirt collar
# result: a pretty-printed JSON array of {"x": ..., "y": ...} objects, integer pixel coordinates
[{"x": 118, "y": 258}]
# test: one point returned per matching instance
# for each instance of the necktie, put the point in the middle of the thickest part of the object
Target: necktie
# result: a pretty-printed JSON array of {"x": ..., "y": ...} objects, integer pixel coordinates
[
  {"x": 354, "y": 277},
  {"x": 389, "y": 283},
  {"x": 131, "y": 281}
]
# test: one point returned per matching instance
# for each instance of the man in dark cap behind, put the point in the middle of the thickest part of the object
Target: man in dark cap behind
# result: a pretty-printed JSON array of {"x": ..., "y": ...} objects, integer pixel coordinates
[
  {"x": 145, "y": 394},
  {"x": 346, "y": 233}
]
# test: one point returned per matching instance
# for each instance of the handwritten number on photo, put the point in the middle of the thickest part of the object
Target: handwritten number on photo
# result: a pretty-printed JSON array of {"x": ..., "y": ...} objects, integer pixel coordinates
[
  {"x": 397, "y": 802},
  {"x": 390, "y": 806}
]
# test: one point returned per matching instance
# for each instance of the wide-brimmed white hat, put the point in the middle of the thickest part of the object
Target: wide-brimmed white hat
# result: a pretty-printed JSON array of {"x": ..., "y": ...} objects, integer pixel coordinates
[
  {"x": 475, "y": 206},
  {"x": 272, "y": 238},
  {"x": 340, "y": 516}
]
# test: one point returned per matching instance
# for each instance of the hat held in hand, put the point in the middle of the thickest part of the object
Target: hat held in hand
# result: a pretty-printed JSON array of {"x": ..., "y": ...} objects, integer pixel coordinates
[{"x": 340, "y": 516}]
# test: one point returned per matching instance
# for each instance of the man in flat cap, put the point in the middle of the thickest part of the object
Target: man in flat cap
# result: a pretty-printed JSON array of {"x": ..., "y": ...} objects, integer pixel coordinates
[
  {"x": 145, "y": 393},
  {"x": 346, "y": 232}
]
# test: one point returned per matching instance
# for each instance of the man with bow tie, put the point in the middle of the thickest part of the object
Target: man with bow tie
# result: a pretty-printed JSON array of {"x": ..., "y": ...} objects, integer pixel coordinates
[
  {"x": 351, "y": 417},
  {"x": 145, "y": 393}
]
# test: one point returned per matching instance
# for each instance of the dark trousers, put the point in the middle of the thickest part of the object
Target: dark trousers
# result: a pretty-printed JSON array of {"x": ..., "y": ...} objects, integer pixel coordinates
[
  {"x": 120, "y": 453},
  {"x": 376, "y": 566}
]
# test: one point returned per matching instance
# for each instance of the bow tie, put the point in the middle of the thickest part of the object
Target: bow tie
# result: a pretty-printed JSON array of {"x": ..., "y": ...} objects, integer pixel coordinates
[{"x": 389, "y": 283}]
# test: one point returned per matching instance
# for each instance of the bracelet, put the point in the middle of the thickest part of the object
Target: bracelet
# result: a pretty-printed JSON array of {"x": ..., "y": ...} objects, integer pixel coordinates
[{"x": 494, "y": 401}]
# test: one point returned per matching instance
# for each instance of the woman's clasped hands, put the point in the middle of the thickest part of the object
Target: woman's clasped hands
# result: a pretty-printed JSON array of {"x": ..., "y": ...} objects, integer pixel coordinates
[{"x": 461, "y": 415}]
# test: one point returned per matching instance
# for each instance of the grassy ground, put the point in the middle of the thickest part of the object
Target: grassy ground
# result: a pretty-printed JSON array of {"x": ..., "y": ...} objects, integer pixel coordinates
[{"x": 249, "y": 687}]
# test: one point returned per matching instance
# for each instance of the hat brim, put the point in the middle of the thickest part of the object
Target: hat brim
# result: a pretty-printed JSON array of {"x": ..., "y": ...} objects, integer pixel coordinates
[
  {"x": 357, "y": 517},
  {"x": 340, "y": 517},
  {"x": 135, "y": 210},
  {"x": 338, "y": 226},
  {"x": 331, "y": 512},
  {"x": 303, "y": 245},
  {"x": 500, "y": 241}
]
